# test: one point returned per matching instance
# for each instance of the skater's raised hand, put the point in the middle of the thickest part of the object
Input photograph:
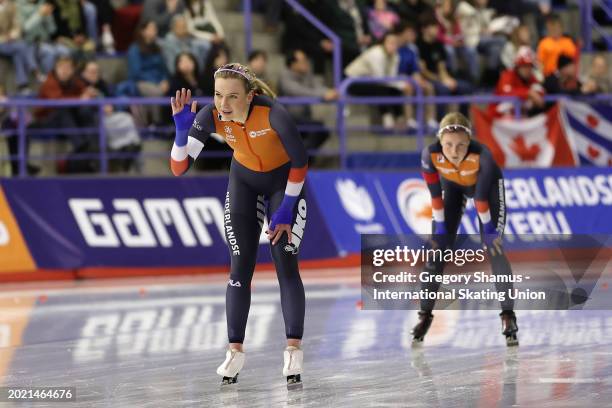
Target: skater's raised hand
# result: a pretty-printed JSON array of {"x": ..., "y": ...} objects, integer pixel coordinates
[
  {"x": 182, "y": 114},
  {"x": 181, "y": 99}
]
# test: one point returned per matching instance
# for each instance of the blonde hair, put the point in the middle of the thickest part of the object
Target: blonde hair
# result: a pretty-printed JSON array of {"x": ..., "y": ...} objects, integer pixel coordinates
[
  {"x": 236, "y": 70},
  {"x": 455, "y": 121}
]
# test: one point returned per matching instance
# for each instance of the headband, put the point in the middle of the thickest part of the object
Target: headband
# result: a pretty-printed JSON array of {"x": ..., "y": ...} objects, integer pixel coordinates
[
  {"x": 453, "y": 128},
  {"x": 232, "y": 70}
]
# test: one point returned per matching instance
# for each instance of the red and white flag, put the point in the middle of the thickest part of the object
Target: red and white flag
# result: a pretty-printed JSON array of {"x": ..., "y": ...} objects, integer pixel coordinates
[
  {"x": 589, "y": 130},
  {"x": 531, "y": 142}
]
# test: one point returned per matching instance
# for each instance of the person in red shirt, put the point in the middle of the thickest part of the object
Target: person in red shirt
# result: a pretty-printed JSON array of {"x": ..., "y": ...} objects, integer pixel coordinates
[
  {"x": 520, "y": 81},
  {"x": 63, "y": 83}
]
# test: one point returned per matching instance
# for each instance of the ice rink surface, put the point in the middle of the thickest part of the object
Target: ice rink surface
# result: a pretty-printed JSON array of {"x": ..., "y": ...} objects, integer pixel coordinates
[{"x": 156, "y": 342}]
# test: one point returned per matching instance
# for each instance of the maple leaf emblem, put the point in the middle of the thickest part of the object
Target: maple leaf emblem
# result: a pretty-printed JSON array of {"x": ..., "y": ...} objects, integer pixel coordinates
[{"x": 526, "y": 153}]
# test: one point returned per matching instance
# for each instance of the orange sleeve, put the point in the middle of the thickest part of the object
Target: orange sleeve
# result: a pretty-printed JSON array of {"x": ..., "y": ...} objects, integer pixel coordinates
[{"x": 569, "y": 48}]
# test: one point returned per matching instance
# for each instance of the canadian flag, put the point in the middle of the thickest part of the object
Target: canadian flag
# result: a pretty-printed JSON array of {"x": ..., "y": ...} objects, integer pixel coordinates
[{"x": 532, "y": 142}]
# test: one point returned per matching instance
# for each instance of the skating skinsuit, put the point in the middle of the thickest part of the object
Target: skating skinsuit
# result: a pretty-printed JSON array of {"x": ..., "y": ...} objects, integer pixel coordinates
[
  {"x": 478, "y": 177},
  {"x": 267, "y": 174}
]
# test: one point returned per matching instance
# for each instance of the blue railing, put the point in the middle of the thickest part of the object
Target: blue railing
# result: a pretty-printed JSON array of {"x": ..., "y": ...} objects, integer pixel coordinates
[
  {"x": 341, "y": 128},
  {"x": 589, "y": 24}
]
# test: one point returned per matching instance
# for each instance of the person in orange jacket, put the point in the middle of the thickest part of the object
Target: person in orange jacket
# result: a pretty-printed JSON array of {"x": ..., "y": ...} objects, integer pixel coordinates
[{"x": 554, "y": 45}]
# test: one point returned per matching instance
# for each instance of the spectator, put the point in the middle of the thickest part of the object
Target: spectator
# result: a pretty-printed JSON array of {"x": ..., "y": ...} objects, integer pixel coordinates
[
  {"x": 146, "y": 69},
  {"x": 8, "y": 121},
  {"x": 12, "y": 46},
  {"x": 564, "y": 79},
  {"x": 381, "y": 19},
  {"x": 90, "y": 75},
  {"x": 540, "y": 9},
  {"x": 71, "y": 31},
  {"x": 38, "y": 27},
  {"x": 202, "y": 21},
  {"x": 297, "y": 79},
  {"x": 300, "y": 34},
  {"x": 104, "y": 13},
  {"x": 554, "y": 45},
  {"x": 272, "y": 10},
  {"x": 90, "y": 14},
  {"x": 219, "y": 55},
  {"x": 147, "y": 73},
  {"x": 514, "y": 8},
  {"x": 348, "y": 19},
  {"x": 409, "y": 66},
  {"x": 62, "y": 82},
  {"x": 475, "y": 20},
  {"x": 258, "y": 62},
  {"x": 433, "y": 64},
  {"x": 598, "y": 79},
  {"x": 121, "y": 133},
  {"x": 412, "y": 10},
  {"x": 186, "y": 75},
  {"x": 161, "y": 12},
  {"x": 452, "y": 37},
  {"x": 180, "y": 40},
  {"x": 520, "y": 81},
  {"x": 381, "y": 61},
  {"x": 520, "y": 38}
]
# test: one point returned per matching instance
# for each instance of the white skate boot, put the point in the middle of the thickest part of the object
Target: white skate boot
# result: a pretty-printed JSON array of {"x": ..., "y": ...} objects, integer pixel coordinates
[
  {"x": 229, "y": 369},
  {"x": 294, "y": 359}
]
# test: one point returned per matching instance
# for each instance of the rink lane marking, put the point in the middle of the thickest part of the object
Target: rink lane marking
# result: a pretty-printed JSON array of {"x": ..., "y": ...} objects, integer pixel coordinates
[
  {"x": 114, "y": 305},
  {"x": 264, "y": 278},
  {"x": 570, "y": 380}
]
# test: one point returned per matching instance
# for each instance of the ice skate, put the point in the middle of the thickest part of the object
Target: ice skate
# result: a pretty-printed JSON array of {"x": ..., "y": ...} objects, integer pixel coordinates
[
  {"x": 509, "y": 327},
  {"x": 229, "y": 369},
  {"x": 292, "y": 369},
  {"x": 420, "y": 330}
]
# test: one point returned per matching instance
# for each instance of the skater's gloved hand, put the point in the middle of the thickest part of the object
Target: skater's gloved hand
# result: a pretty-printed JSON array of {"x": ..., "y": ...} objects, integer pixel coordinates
[
  {"x": 491, "y": 239},
  {"x": 183, "y": 114},
  {"x": 439, "y": 237},
  {"x": 281, "y": 220},
  {"x": 440, "y": 228}
]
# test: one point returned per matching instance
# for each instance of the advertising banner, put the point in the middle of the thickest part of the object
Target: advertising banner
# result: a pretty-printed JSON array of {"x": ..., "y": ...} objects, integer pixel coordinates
[
  {"x": 544, "y": 201},
  {"x": 143, "y": 222}
]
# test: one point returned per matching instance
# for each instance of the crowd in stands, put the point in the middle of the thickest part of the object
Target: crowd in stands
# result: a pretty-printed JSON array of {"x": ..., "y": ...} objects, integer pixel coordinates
[{"x": 448, "y": 47}]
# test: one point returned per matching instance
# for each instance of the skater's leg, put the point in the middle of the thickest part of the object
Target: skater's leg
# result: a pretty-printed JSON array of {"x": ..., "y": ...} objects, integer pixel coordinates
[
  {"x": 293, "y": 300},
  {"x": 285, "y": 257},
  {"x": 499, "y": 262},
  {"x": 454, "y": 203},
  {"x": 242, "y": 230}
]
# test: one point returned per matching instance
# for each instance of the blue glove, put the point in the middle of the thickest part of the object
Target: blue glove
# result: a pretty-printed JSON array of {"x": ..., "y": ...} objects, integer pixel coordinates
[
  {"x": 439, "y": 235},
  {"x": 489, "y": 234},
  {"x": 183, "y": 121},
  {"x": 284, "y": 213},
  {"x": 440, "y": 228}
]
